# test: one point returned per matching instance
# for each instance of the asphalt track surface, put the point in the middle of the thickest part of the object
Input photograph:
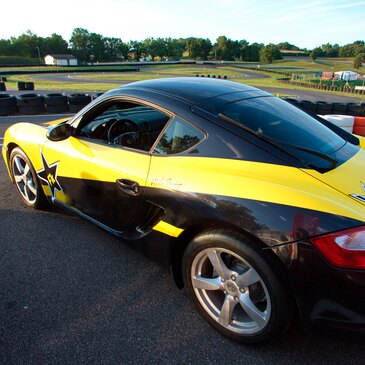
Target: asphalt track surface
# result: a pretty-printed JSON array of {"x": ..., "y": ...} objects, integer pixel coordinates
[{"x": 70, "y": 293}]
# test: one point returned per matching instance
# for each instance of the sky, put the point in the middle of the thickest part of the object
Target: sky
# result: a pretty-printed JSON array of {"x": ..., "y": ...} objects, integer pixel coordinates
[{"x": 305, "y": 23}]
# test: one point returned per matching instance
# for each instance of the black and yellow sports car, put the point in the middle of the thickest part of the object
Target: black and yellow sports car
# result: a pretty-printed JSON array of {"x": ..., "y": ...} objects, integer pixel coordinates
[{"x": 255, "y": 206}]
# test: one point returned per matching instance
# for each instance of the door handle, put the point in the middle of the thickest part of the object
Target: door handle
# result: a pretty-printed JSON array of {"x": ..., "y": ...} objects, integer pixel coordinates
[{"x": 128, "y": 186}]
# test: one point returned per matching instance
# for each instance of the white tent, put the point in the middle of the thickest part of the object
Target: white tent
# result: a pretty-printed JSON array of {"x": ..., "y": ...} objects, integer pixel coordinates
[{"x": 346, "y": 75}]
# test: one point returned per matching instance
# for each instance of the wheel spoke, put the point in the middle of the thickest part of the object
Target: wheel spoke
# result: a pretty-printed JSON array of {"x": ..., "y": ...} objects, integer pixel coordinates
[
  {"x": 226, "y": 311},
  {"x": 32, "y": 189},
  {"x": 252, "y": 311},
  {"x": 26, "y": 195},
  {"x": 18, "y": 178},
  {"x": 18, "y": 165},
  {"x": 248, "y": 278},
  {"x": 218, "y": 264},
  {"x": 200, "y": 282},
  {"x": 26, "y": 169}
]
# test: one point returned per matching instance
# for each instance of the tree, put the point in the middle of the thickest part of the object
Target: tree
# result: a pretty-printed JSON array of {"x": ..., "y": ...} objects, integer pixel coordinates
[
  {"x": 359, "y": 59},
  {"x": 27, "y": 44},
  {"x": 174, "y": 48},
  {"x": 287, "y": 46},
  {"x": 137, "y": 48},
  {"x": 96, "y": 47},
  {"x": 115, "y": 49},
  {"x": 227, "y": 49},
  {"x": 221, "y": 47},
  {"x": 198, "y": 48},
  {"x": 252, "y": 52},
  {"x": 270, "y": 53},
  {"x": 54, "y": 44},
  {"x": 316, "y": 52},
  {"x": 6, "y": 48},
  {"x": 79, "y": 42},
  {"x": 353, "y": 49},
  {"x": 151, "y": 45},
  {"x": 330, "y": 50}
]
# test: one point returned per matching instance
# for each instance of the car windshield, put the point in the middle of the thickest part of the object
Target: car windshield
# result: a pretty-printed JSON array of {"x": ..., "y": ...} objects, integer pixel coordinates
[{"x": 279, "y": 121}]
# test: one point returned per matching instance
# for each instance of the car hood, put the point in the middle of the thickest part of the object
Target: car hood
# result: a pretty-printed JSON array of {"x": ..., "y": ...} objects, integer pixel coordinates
[{"x": 348, "y": 178}]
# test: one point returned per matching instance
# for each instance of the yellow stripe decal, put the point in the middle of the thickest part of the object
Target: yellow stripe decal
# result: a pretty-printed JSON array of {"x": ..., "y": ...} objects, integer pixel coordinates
[{"x": 168, "y": 229}]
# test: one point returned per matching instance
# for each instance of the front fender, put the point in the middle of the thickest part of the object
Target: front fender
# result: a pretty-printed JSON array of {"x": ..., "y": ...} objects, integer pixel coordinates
[{"x": 29, "y": 137}]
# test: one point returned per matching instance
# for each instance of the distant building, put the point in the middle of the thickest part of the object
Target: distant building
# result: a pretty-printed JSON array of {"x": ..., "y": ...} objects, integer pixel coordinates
[{"x": 60, "y": 60}]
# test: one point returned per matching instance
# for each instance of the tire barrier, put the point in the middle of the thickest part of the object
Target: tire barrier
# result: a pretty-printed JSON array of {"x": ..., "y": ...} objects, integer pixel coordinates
[
  {"x": 25, "y": 85},
  {"x": 354, "y": 109},
  {"x": 2, "y": 86},
  {"x": 96, "y": 95},
  {"x": 351, "y": 124},
  {"x": 324, "y": 108},
  {"x": 296, "y": 102},
  {"x": 214, "y": 76},
  {"x": 339, "y": 108},
  {"x": 30, "y": 104},
  {"x": 21, "y": 85},
  {"x": 77, "y": 101},
  {"x": 8, "y": 105},
  {"x": 56, "y": 103},
  {"x": 29, "y": 86},
  {"x": 309, "y": 106}
]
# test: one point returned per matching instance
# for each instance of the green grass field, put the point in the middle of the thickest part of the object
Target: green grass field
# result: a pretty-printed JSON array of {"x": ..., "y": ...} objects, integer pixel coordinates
[{"x": 103, "y": 81}]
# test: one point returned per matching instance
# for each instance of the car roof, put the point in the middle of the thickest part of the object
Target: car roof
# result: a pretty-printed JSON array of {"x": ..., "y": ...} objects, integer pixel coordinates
[{"x": 194, "y": 90}]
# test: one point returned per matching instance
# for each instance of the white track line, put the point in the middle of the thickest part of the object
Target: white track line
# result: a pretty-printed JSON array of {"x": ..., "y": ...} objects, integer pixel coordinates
[{"x": 1, "y": 139}]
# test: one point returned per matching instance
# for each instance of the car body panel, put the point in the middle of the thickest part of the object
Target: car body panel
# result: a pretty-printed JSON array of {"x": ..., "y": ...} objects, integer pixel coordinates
[
  {"x": 347, "y": 177},
  {"x": 30, "y": 137},
  {"x": 95, "y": 174},
  {"x": 231, "y": 179},
  {"x": 250, "y": 180}
]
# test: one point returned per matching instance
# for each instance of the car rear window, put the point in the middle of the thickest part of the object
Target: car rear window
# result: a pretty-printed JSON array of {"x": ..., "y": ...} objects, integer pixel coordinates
[{"x": 280, "y": 121}]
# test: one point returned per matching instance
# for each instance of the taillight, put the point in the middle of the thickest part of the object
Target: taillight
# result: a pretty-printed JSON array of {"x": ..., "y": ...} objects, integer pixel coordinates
[{"x": 344, "y": 249}]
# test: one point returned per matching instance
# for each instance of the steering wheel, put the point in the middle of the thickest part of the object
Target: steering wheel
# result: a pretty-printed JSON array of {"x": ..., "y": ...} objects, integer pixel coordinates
[{"x": 118, "y": 133}]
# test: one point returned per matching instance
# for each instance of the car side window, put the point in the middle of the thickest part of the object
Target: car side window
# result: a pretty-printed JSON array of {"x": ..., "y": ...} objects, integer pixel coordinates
[
  {"x": 125, "y": 124},
  {"x": 178, "y": 137}
]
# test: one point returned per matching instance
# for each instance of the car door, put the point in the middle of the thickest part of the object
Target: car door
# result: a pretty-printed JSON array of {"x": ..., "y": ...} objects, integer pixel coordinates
[{"x": 99, "y": 179}]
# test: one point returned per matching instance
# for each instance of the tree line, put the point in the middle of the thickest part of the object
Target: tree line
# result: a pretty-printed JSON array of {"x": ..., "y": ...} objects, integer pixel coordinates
[{"x": 92, "y": 47}]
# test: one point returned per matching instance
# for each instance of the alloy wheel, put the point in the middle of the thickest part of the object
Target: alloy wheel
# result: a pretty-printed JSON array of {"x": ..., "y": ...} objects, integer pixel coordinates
[{"x": 231, "y": 291}]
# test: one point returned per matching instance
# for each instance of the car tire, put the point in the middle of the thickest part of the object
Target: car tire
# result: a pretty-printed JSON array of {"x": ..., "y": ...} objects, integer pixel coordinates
[
  {"x": 26, "y": 180},
  {"x": 235, "y": 287}
]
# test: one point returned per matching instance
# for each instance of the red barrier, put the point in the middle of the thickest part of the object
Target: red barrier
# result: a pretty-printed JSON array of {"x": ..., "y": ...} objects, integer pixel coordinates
[{"x": 359, "y": 126}]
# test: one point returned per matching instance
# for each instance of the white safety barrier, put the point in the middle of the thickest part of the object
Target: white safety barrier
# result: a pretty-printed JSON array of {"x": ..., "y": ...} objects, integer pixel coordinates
[{"x": 355, "y": 125}]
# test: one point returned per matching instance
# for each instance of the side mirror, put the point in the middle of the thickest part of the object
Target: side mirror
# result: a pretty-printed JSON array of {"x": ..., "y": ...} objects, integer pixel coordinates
[{"x": 59, "y": 132}]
